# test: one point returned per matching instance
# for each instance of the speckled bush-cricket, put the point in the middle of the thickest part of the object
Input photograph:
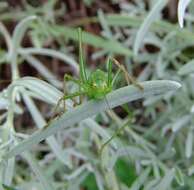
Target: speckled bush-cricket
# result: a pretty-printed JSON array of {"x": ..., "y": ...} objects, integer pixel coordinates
[{"x": 99, "y": 83}]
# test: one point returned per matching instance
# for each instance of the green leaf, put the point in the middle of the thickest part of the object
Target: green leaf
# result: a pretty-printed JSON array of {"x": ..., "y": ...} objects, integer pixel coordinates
[
  {"x": 35, "y": 166},
  {"x": 88, "y": 38},
  {"x": 158, "y": 26},
  {"x": 179, "y": 176},
  {"x": 125, "y": 172},
  {"x": 152, "y": 16},
  {"x": 187, "y": 68},
  {"x": 9, "y": 188},
  {"x": 182, "y": 6},
  {"x": 166, "y": 180},
  {"x": 135, "y": 22},
  {"x": 90, "y": 108},
  {"x": 141, "y": 179},
  {"x": 90, "y": 182},
  {"x": 50, "y": 52}
]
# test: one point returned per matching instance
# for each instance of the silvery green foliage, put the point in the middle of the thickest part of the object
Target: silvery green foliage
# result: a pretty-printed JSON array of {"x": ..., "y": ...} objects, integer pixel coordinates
[
  {"x": 9, "y": 103},
  {"x": 161, "y": 150},
  {"x": 182, "y": 5},
  {"x": 153, "y": 15}
]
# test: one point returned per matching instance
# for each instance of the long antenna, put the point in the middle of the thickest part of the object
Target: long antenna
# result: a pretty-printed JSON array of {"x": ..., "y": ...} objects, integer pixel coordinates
[{"x": 81, "y": 61}]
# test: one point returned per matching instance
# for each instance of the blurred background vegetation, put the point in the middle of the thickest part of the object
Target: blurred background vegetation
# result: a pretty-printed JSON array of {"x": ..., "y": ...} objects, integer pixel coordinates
[{"x": 154, "y": 152}]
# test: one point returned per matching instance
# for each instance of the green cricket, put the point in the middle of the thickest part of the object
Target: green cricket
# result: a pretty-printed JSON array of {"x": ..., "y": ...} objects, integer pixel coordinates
[{"x": 99, "y": 83}]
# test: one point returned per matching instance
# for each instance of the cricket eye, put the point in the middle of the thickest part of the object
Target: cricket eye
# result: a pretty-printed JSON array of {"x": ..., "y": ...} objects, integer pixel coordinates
[{"x": 94, "y": 85}]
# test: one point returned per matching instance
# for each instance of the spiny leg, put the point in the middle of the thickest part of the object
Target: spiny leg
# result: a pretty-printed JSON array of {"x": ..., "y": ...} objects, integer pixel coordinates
[
  {"x": 128, "y": 78},
  {"x": 64, "y": 98},
  {"x": 57, "y": 105},
  {"x": 71, "y": 96}
]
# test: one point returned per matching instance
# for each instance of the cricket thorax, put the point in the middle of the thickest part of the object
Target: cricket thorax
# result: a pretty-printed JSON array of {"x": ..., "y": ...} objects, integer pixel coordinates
[{"x": 98, "y": 85}]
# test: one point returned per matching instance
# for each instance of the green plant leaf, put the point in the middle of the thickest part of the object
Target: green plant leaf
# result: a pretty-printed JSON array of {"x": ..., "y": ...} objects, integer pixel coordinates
[
  {"x": 135, "y": 22},
  {"x": 166, "y": 180},
  {"x": 90, "y": 182},
  {"x": 141, "y": 179},
  {"x": 88, "y": 38},
  {"x": 90, "y": 108},
  {"x": 182, "y": 5},
  {"x": 125, "y": 172},
  {"x": 9, "y": 188},
  {"x": 50, "y": 52},
  {"x": 187, "y": 68},
  {"x": 152, "y": 16}
]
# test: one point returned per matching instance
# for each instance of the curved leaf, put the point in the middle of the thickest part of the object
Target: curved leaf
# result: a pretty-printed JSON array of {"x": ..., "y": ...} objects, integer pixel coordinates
[
  {"x": 187, "y": 68},
  {"x": 181, "y": 11},
  {"x": 90, "y": 108},
  {"x": 152, "y": 16}
]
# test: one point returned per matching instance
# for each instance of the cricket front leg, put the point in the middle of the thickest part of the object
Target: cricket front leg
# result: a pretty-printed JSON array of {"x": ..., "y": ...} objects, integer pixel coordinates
[
  {"x": 64, "y": 98},
  {"x": 71, "y": 97},
  {"x": 76, "y": 81}
]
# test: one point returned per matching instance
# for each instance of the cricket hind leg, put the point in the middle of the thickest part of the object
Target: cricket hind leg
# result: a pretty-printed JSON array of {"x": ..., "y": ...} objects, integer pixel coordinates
[
  {"x": 128, "y": 77},
  {"x": 116, "y": 134}
]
